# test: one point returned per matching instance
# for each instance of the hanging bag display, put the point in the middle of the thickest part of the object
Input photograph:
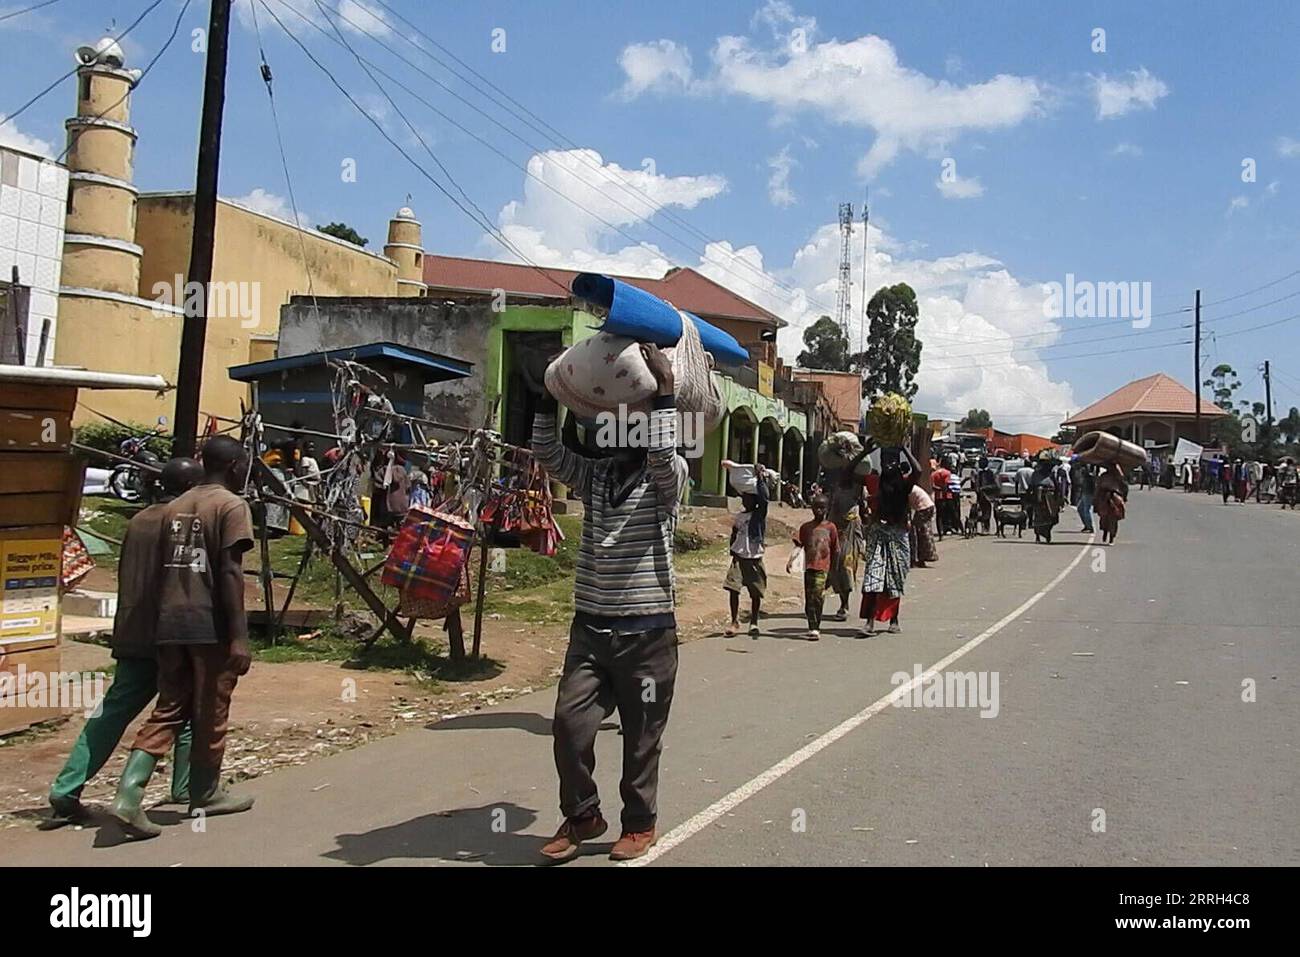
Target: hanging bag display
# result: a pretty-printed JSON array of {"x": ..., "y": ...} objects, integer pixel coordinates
[{"x": 430, "y": 552}]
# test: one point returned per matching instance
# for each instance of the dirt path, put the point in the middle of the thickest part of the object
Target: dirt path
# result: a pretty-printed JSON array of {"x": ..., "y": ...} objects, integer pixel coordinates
[{"x": 287, "y": 714}]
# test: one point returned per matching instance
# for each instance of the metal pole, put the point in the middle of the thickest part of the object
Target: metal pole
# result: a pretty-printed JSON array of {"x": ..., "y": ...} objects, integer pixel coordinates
[{"x": 194, "y": 328}]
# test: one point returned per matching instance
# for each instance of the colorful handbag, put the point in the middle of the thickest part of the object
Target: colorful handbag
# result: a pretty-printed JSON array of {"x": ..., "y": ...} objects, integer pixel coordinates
[{"x": 430, "y": 552}]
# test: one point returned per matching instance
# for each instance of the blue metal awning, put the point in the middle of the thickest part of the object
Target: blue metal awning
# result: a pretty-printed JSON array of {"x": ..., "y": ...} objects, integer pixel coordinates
[{"x": 434, "y": 367}]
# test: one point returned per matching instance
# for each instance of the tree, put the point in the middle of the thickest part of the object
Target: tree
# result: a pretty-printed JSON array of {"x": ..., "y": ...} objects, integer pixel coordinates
[
  {"x": 344, "y": 232},
  {"x": 893, "y": 352},
  {"x": 1290, "y": 426},
  {"x": 827, "y": 346},
  {"x": 976, "y": 419},
  {"x": 1224, "y": 382}
]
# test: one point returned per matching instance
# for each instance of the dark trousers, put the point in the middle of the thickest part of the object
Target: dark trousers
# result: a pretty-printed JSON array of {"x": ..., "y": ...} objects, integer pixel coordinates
[
  {"x": 603, "y": 670},
  {"x": 195, "y": 684}
]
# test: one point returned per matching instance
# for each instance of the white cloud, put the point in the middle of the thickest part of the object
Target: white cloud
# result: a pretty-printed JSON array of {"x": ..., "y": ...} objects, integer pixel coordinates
[
  {"x": 1126, "y": 149},
  {"x": 858, "y": 83},
  {"x": 262, "y": 201},
  {"x": 970, "y": 303},
  {"x": 13, "y": 137},
  {"x": 1236, "y": 203},
  {"x": 960, "y": 187},
  {"x": 361, "y": 18},
  {"x": 1288, "y": 147},
  {"x": 778, "y": 183},
  {"x": 660, "y": 66},
  {"x": 1139, "y": 89}
]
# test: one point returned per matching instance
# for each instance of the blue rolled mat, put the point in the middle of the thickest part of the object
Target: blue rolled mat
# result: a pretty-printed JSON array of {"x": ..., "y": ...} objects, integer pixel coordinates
[{"x": 637, "y": 314}]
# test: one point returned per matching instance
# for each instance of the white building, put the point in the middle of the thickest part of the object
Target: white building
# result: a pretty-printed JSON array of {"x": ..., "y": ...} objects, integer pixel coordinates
[{"x": 33, "y": 203}]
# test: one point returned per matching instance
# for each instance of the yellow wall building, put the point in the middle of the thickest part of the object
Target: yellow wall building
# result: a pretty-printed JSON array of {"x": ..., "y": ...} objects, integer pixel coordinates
[{"x": 123, "y": 295}]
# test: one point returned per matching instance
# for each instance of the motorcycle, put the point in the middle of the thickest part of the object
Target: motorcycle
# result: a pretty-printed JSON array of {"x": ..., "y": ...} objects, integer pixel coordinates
[{"x": 135, "y": 481}]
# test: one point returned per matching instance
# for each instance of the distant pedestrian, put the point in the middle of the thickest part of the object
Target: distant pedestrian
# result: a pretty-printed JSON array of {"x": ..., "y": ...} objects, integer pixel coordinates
[
  {"x": 1111, "y": 500},
  {"x": 747, "y": 572},
  {"x": 1087, "y": 485},
  {"x": 820, "y": 541},
  {"x": 922, "y": 537}
]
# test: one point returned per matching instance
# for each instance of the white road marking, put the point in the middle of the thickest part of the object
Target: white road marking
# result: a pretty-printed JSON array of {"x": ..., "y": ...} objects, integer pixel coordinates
[{"x": 729, "y": 802}]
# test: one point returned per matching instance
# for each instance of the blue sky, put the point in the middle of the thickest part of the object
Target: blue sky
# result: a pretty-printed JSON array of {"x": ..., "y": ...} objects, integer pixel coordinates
[{"x": 1001, "y": 152}]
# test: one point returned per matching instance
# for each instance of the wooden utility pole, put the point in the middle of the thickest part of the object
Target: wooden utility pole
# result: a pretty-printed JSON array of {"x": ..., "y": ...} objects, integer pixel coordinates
[
  {"x": 1196, "y": 366},
  {"x": 1268, "y": 409},
  {"x": 194, "y": 329}
]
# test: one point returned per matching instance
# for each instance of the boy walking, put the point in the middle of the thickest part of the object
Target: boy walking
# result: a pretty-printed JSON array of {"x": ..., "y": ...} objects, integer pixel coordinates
[
  {"x": 747, "y": 571},
  {"x": 135, "y": 677},
  {"x": 202, "y": 637},
  {"x": 820, "y": 541}
]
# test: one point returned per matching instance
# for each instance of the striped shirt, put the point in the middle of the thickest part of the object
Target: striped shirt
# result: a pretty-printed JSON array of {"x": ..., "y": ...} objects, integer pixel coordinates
[{"x": 625, "y": 555}]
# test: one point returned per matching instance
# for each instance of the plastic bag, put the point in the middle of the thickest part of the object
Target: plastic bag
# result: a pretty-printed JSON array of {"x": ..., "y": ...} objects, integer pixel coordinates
[{"x": 795, "y": 564}]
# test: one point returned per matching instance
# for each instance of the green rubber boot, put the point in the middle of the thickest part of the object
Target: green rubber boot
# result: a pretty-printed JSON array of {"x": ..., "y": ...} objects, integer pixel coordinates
[
  {"x": 130, "y": 795},
  {"x": 181, "y": 768},
  {"x": 207, "y": 794}
]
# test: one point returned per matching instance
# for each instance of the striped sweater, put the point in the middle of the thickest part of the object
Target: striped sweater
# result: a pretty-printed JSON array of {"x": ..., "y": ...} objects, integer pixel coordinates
[{"x": 625, "y": 555}]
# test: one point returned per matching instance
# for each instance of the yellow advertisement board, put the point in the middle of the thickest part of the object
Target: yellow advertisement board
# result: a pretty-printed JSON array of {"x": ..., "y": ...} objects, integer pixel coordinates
[
  {"x": 29, "y": 588},
  {"x": 765, "y": 379}
]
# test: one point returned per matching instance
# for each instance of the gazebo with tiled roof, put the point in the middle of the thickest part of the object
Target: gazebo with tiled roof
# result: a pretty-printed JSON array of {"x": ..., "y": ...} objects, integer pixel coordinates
[{"x": 1158, "y": 410}]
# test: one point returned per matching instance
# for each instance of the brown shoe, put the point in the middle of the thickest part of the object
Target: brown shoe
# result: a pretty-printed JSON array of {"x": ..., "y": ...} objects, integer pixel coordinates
[
  {"x": 633, "y": 844},
  {"x": 568, "y": 839}
]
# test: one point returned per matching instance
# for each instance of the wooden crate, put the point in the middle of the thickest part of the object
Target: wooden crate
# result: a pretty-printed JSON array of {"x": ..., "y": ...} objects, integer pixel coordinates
[{"x": 40, "y": 488}]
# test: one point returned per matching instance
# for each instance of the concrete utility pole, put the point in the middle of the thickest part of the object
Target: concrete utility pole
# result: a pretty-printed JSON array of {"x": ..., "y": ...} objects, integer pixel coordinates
[
  {"x": 194, "y": 328},
  {"x": 1196, "y": 369}
]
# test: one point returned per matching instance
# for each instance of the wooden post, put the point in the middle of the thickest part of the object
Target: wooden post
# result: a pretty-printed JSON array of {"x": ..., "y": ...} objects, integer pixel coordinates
[
  {"x": 482, "y": 581},
  {"x": 268, "y": 599}
]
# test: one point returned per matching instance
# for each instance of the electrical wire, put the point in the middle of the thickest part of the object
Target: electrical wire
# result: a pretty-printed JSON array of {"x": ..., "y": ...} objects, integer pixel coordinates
[
  {"x": 17, "y": 13},
  {"x": 131, "y": 87},
  {"x": 9, "y": 117}
]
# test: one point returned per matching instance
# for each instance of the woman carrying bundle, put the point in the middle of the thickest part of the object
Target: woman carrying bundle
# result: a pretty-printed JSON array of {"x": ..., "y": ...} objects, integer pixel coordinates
[{"x": 888, "y": 551}]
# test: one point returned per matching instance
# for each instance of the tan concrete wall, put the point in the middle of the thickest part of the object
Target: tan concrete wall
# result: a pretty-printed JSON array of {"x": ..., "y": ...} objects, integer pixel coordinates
[
  {"x": 106, "y": 89},
  {"x": 99, "y": 210},
  {"x": 115, "y": 337},
  {"x": 96, "y": 267},
  {"x": 404, "y": 231},
  {"x": 101, "y": 149}
]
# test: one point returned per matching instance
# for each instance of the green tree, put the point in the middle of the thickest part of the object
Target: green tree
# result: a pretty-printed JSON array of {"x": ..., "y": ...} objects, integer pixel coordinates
[
  {"x": 344, "y": 232},
  {"x": 1224, "y": 382},
  {"x": 893, "y": 352},
  {"x": 827, "y": 347},
  {"x": 1290, "y": 426},
  {"x": 976, "y": 419}
]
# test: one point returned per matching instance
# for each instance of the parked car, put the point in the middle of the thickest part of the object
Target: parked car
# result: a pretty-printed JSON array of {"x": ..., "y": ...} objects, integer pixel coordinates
[{"x": 1007, "y": 475}]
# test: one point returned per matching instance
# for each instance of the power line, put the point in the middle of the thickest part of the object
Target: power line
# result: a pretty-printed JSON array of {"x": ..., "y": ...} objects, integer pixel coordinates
[
  {"x": 654, "y": 207},
  {"x": 10, "y": 117},
  {"x": 77, "y": 133},
  {"x": 559, "y": 139},
  {"x": 405, "y": 155},
  {"x": 17, "y": 13}
]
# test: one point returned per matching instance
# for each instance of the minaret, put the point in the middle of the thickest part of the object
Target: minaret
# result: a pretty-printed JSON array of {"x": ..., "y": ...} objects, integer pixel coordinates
[
  {"x": 99, "y": 249},
  {"x": 406, "y": 248}
]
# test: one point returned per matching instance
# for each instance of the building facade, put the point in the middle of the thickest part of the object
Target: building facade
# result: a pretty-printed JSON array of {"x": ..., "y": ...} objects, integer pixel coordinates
[{"x": 33, "y": 198}]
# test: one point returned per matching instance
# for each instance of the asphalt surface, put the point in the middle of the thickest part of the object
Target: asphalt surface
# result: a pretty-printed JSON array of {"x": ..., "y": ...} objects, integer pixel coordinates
[{"x": 1120, "y": 735}]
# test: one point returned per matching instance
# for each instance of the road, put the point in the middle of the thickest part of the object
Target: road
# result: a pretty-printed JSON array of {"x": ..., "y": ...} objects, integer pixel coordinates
[{"x": 1120, "y": 737}]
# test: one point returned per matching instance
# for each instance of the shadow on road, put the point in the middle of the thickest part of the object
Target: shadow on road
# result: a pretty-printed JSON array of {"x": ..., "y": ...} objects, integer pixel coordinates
[
  {"x": 490, "y": 834},
  {"x": 529, "y": 721}
]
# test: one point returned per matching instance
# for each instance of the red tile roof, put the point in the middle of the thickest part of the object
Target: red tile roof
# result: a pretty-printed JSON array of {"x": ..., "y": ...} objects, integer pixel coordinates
[
  {"x": 1155, "y": 395},
  {"x": 684, "y": 288}
]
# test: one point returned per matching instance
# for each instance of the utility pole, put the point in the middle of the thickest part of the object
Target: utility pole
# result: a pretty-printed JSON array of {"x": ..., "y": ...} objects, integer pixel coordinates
[
  {"x": 843, "y": 291},
  {"x": 1268, "y": 409},
  {"x": 194, "y": 329},
  {"x": 1196, "y": 369},
  {"x": 866, "y": 237}
]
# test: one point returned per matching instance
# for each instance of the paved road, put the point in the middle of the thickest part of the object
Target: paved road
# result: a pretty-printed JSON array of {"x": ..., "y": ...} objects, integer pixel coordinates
[{"x": 1119, "y": 692}]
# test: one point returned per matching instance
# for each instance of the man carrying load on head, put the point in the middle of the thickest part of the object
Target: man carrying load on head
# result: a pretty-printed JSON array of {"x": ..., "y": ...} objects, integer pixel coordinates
[{"x": 623, "y": 641}]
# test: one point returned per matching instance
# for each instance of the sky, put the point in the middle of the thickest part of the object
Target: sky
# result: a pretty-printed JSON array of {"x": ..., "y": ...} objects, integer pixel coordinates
[{"x": 1149, "y": 149}]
